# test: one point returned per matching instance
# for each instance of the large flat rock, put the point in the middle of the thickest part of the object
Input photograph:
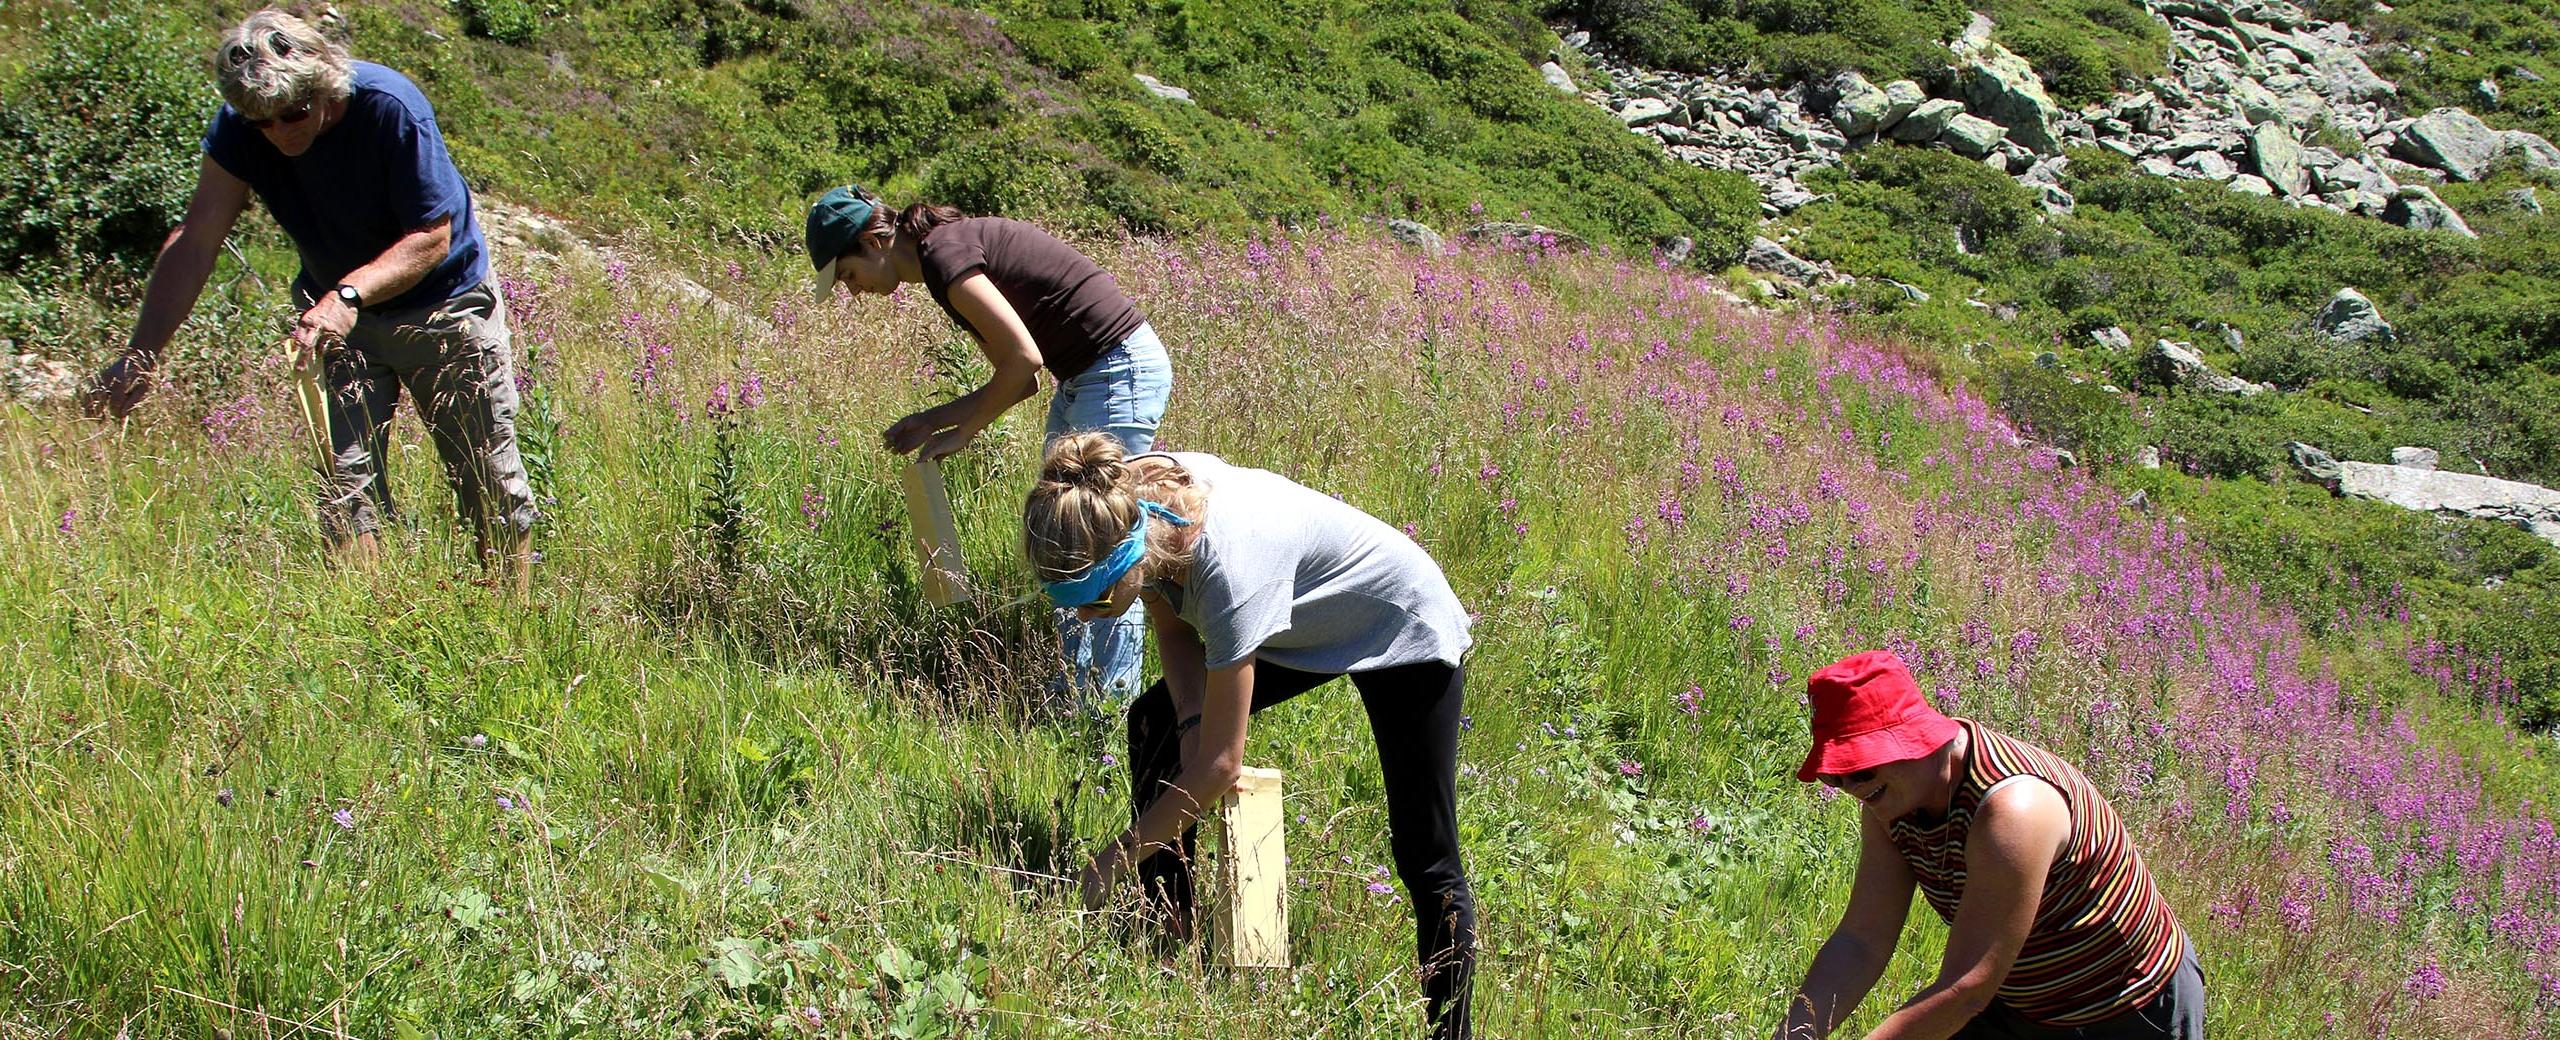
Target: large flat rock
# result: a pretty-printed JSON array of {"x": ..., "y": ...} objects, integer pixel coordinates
[{"x": 2530, "y": 506}]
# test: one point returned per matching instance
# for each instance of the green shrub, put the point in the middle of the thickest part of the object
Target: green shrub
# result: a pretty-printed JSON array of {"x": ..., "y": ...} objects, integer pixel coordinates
[
  {"x": 2082, "y": 417},
  {"x": 2075, "y": 68},
  {"x": 1010, "y": 173},
  {"x": 511, "y": 22},
  {"x": 101, "y": 129},
  {"x": 1063, "y": 46}
]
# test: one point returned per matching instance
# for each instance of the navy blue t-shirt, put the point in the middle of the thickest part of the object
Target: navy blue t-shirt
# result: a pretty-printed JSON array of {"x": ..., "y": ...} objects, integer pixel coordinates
[{"x": 377, "y": 175}]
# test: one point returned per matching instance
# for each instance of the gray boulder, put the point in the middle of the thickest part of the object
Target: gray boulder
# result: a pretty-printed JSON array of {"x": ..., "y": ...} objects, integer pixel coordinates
[
  {"x": 2254, "y": 103},
  {"x": 2112, "y": 338},
  {"x": 1861, "y": 107},
  {"x": 2414, "y": 458},
  {"x": 1557, "y": 77},
  {"x": 1765, "y": 255},
  {"x": 2406, "y": 172},
  {"x": 1162, "y": 89},
  {"x": 2199, "y": 141},
  {"x": 2529, "y": 506},
  {"x": 2530, "y": 151},
  {"x": 1901, "y": 98},
  {"x": 2524, "y": 200},
  {"x": 2002, "y": 87},
  {"x": 2451, "y": 140},
  {"x": 2279, "y": 158},
  {"x": 1646, "y": 111},
  {"x": 2140, "y": 112},
  {"x": 2252, "y": 184},
  {"x": 1500, "y": 230},
  {"x": 2349, "y": 317},
  {"x": 1972, "y": 136},
  {"x": 1417, "y": 235},
  {"x": 1926, "y": 122},
  {"x": 2416, "y": 207},
  {"x": 2178, "y": 364},
  {"x": 2210, "y": 166},
  {"x": 2347, "y": 78}
]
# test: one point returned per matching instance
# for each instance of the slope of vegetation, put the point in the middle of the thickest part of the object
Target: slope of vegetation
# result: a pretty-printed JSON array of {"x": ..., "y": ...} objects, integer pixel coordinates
[
  {"x": 724, "y": 775},
  {"x": 690, "y": 122}
]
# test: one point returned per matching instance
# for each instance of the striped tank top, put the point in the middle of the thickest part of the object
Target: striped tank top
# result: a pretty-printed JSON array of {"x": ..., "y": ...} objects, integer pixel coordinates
[{"x": 2103, "y": 939}]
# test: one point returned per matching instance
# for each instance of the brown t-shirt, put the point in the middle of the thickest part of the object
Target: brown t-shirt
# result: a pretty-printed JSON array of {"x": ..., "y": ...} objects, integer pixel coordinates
[{"x": 1072, "y": 307}]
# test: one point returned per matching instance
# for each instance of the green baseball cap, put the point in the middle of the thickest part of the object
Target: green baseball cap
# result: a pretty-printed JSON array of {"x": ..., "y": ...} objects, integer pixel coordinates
[{"x": 835, "y": 220}]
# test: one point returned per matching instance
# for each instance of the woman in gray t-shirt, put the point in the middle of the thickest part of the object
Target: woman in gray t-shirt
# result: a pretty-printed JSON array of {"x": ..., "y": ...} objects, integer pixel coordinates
[{"x": 1261, "y": 589}]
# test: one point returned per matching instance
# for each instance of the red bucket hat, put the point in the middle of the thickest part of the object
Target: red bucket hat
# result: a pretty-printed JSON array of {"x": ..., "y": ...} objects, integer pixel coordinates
[{"x": 1868, "y": 711}]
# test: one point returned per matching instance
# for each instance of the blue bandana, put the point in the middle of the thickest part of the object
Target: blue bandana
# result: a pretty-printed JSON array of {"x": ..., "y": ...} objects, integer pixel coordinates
[{"x": 1070, "y": 593}]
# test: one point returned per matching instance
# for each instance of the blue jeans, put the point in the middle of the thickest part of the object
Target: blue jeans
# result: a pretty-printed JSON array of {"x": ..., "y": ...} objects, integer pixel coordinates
[{"x": 1122, "y": 393}]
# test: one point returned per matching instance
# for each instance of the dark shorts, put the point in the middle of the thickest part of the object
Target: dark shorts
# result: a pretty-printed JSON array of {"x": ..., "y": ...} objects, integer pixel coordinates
[{"x": 2177, "y": 1013}]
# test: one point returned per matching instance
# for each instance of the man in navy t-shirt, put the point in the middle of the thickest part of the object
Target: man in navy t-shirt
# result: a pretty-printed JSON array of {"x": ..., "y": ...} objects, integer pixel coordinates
[{"x": 394, "y": 287}]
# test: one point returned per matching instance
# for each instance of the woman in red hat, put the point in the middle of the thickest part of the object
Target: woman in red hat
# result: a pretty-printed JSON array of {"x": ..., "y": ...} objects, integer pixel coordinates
[{"x": 2055, "y": 927}]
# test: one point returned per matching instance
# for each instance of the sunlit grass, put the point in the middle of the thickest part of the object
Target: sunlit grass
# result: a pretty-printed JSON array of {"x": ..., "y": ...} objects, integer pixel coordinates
[{"x": 242, "y": 790}]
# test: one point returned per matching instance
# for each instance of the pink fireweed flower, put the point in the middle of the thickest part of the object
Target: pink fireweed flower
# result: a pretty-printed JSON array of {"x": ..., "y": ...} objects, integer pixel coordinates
[
  {"x": 68, "y": 515},
  {"x": 813, "y": 506},
  {"x": 2428, "y": 982},
  {"x": 1630, "y": 767},
  {"x": 1688, "y": 699}
]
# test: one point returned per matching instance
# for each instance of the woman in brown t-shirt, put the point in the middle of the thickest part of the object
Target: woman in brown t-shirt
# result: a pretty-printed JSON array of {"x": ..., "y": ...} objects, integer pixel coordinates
[{"x": 1031, "y": 302}]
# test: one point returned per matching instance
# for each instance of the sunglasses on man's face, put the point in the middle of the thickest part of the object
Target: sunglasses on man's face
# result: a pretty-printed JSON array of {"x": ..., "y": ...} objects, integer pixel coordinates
[{"x": 288, "y": 117}]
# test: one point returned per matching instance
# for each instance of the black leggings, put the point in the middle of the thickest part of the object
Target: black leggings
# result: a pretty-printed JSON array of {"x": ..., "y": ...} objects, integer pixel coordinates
[{"x": 1414, "y": 711}]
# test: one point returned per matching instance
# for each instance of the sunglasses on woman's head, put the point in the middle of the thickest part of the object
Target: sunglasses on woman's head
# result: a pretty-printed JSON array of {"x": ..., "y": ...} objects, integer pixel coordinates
[{"x": 288, "y": 117}]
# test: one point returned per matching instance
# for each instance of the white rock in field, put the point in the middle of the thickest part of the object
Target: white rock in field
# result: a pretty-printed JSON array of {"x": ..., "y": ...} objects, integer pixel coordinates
[
  {"x": 2178, "y": 363},
  {"x": 2414, "y": 458},
  {"x": 1163, "y": 89},
  {"x": 1557, "y": 77},
  {"x": 2529, "y": 506},
  {"x": 2417, "y": 208},
  {"x": 2349, "y": 317}
]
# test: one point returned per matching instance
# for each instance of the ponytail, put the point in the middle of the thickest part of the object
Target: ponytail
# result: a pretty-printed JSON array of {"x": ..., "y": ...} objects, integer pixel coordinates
[{"x": 1086, "y": 499}]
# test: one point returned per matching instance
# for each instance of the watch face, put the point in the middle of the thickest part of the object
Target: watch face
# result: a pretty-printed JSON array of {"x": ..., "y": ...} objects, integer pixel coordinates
[{"x": 348, "y": 294}]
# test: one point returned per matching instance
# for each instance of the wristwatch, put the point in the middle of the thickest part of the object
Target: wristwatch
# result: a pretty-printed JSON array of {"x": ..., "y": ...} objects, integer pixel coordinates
[{"x": 347, "y": 295}]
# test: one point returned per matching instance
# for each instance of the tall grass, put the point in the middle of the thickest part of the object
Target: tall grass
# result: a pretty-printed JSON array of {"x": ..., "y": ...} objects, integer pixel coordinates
[{"x": 723, "y": 775}]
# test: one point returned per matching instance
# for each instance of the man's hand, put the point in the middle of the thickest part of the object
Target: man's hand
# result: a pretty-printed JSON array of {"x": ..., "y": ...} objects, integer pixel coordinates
[
  {"x": 327, "y": 322},
  {"x": 119, "y": 387}
]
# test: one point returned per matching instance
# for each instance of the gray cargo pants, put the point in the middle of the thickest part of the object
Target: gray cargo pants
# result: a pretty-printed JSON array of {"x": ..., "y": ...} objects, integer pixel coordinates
[{"x": 457, "y": 362}]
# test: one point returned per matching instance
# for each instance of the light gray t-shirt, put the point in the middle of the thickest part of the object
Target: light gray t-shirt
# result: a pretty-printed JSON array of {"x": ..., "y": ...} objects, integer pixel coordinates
[{"x": 1296, "y": 577}]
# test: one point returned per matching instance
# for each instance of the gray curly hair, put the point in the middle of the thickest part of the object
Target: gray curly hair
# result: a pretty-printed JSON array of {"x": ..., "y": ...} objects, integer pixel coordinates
[{"x": 272, "y": 61}]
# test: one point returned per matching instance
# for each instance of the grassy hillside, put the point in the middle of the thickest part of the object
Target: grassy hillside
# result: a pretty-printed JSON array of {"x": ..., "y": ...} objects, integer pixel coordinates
[
  {"x": 691, "y": 122},
  {"x": 676, "y": 796},
  {"x": 724, "y": 775},
  {"x": 2471, "y": 375}
]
